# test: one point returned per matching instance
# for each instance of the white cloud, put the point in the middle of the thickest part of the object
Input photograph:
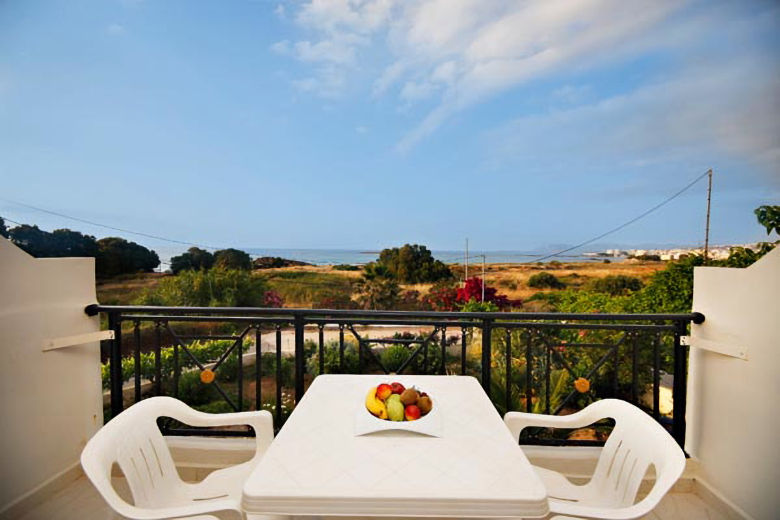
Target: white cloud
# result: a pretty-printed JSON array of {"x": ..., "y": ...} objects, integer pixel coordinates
[
  {"x": 339, "y": 51},
  {"x": 328, "y": 82},
  {"x": 659, "y": 122},
  {"x": 456, "y": 53},
  {"x": 281, "y": 47},
  {"x": 417, "y": 90},
  {"x": 280, "y": 11},
  {"x": 115, "y": 29}
]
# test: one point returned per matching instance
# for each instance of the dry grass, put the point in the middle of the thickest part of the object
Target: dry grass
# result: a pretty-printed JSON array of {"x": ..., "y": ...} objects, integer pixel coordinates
[
  {"x": 123, "y": 290},
  {"x": 302, "y": 286},
  {"x": 512, "y": 279}
]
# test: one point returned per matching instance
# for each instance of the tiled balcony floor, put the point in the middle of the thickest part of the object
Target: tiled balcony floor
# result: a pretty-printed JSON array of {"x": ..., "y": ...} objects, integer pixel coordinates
[{"x": 80, "y": 501}]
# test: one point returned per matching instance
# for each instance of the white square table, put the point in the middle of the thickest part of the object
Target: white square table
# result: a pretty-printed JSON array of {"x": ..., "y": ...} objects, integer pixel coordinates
[{"x": 316, "y": 466}]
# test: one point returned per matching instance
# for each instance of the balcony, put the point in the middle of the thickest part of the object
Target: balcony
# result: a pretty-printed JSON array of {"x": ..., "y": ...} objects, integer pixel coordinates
[{"x": 704, "y": 376}]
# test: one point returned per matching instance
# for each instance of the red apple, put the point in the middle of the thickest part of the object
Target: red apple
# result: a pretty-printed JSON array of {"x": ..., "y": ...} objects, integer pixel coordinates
[
  {"x": 412, "y": 412},
  {"x": 383, "y": 391},
  {"x": 398, "y": 388}
]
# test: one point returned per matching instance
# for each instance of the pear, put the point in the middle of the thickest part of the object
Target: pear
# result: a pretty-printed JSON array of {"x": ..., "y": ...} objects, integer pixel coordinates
[{"x": 395, "y": 408}]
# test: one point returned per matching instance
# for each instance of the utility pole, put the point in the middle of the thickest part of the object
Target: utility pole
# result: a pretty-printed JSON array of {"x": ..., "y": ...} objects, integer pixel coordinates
[
  {"x": 483, "y": 277},
  {"x": 707, "y": 227},
  {"x": 466, "y": 262}
]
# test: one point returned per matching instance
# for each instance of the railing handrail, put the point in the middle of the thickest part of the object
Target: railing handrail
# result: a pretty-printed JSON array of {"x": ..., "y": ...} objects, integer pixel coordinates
[
  {"x": 94, "y": 309},
  {"x": 487, "y": 322}
]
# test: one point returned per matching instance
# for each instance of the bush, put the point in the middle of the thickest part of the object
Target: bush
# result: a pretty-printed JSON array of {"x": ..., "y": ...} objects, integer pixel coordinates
[
  {"x": 287, "y": 368},
  {"x": 545, "y": 280},
  {"x": 205, "y": 352},
  {"x": 616, "y": 285},
  {"x": 193, "y": 392},
  {"x": 395, "y": 355},
  {"x": 331, "y": 359},
  {"x": 212, "y": 288},
  {"x": 377, "y": 293},
  {"x": 220, "y": 406},
  {"x": 194, "y": 258},
  {"x": 346, "y": 267},
  {"x": 232, "y": 259}
]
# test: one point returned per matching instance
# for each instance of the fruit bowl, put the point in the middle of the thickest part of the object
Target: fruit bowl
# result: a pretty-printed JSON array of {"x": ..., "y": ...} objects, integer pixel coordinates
[{"x": 395, "y": 402}]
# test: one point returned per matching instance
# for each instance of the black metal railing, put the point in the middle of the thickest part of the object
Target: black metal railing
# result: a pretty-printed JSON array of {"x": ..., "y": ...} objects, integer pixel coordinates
[{"x": 536, "y": 362}]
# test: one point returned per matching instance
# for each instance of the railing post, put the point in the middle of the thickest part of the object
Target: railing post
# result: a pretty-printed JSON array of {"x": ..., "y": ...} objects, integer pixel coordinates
[
  {"x": 680, "y": 387},
  {"x": 115, "y": 357},
  {"x": 300, "y": 362},
  {"x": 486, "y": 354}
]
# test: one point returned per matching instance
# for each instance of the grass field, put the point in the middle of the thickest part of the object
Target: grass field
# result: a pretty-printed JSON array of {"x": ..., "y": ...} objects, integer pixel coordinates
[{"x": 308, "y": 285}]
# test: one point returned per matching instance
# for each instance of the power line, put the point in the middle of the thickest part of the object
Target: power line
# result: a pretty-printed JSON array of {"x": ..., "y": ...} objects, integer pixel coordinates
[
  {"x": 12, "y": 221},
  {"x": 615, "y": 229},
  {"x": 628, "y": 223},
  {"x": 84, "y": 221}
]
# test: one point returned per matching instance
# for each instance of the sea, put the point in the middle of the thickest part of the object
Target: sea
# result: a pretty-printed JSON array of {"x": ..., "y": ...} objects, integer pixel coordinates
[{"x": 362, "y": 257}]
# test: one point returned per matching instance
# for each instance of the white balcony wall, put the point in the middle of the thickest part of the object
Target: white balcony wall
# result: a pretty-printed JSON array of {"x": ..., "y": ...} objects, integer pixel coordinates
[
  {"x": 732, "y": 416},
  {"x": 51, "y": 401}
]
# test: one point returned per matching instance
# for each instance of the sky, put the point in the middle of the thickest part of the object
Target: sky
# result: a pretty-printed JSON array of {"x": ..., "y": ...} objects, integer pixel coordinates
[{"x": 364, "y": 124}]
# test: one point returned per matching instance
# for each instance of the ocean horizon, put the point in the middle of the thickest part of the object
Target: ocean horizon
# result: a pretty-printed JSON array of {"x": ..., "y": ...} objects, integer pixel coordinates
[{"x": 362, "y": 257}]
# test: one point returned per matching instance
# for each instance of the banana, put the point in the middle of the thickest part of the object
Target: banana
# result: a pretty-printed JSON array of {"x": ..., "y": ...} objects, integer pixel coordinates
[{"x": 375, "y": 405}]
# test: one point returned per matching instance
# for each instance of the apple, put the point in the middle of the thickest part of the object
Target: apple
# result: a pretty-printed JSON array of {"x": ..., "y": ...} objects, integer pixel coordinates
[
  {"x": 412, "y": 412},
  {"x": 398, "y": 388},
  {"x": 383, "y": 391}
]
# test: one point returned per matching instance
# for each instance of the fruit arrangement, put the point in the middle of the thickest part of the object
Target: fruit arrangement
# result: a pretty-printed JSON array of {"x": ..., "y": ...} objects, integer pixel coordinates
[{"x": 394, "y": 402}]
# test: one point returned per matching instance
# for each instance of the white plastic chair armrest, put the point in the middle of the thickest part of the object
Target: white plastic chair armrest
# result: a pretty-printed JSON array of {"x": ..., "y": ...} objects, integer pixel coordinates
[{"x": 518, "y": 421}]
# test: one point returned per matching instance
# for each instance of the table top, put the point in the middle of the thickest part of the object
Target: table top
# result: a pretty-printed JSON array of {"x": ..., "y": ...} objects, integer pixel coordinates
[{"x": 317, "y": 466}]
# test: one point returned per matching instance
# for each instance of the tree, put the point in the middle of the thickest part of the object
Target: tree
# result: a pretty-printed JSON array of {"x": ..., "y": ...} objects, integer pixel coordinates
[
  {"x": 194, "y": 258},
  {"x": 3, "y": 229},
  {"x": 58, "y": 243},
  {"x": 232, "y": 259},
  {"x": 411, "y": 264},
  {"x": 769, "y": 217},
  {"x": 118, "y": 256}
]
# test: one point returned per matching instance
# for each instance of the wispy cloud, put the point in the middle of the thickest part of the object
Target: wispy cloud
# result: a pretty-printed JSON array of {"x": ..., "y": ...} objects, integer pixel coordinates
[
  {"x": 658, "y": 123},
  {"x": 447, "y": 55}
]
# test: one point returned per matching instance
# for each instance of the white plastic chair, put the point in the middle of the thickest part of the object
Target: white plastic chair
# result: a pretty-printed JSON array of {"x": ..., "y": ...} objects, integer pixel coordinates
[
  {"x": 133, "y": 441},
  {"x": 636, "y": 442}
]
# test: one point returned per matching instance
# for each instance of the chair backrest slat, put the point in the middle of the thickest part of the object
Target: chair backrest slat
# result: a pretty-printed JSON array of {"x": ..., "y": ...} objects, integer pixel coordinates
[
  {"x": 134, "y": 442},
  {"x": 636, "y": 443}
]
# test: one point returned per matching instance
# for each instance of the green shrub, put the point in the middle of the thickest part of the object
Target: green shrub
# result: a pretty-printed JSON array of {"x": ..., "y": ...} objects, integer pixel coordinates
[
  {"x": 616, "y": 285},
  {"x": 346, "y": 267},
  {"x": 287, "y": 368},
  {"x": 220, "y": 406},
  {"x": 193, "y": 392},
  {"x": 205, "y": 352},
  {"x": 331, "y": 359},
  {"x": 545, "y": 280},
  {"x": 395, "y": 355},
  {"x": 208, "y": 288}
]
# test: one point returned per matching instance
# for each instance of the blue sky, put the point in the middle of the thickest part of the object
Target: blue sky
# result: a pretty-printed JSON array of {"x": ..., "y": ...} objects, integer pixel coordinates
[{"x": 365, "y": 124}]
